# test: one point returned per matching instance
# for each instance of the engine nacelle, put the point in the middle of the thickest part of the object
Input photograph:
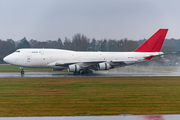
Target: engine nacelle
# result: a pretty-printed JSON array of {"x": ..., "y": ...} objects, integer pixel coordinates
[
  {"x": 74, "y": 68},
  {"x": 104, "y": 66}
]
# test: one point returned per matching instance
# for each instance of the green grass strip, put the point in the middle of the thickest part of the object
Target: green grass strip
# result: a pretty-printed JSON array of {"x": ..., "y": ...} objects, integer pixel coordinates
[{"x": 89, "y": 96}]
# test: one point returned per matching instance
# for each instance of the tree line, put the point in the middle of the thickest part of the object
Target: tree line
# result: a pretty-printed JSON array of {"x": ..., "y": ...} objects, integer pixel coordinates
[{"x": 80, "y": 42}]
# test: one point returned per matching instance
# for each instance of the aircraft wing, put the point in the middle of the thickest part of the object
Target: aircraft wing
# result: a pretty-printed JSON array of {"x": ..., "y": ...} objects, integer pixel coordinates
[
  {"x": 93, "y": 64},
  {"x": 82, "y": 64}
]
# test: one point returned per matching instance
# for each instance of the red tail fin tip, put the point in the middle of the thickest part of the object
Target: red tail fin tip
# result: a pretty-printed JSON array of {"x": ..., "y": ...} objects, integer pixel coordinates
[{"x": 154, "y": 43}]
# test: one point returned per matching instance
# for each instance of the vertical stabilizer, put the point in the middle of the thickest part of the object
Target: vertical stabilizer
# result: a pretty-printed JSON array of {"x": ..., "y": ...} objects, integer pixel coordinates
[{"x": 154, "y": 43}]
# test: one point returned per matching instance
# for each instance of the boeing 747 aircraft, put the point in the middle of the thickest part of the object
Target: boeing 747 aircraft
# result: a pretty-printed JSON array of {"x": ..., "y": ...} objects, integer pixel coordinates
[{"x": 85, "y": 62}]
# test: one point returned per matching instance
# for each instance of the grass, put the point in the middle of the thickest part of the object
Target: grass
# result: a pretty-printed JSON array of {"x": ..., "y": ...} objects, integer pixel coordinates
[{"x": 89, "y": 96}]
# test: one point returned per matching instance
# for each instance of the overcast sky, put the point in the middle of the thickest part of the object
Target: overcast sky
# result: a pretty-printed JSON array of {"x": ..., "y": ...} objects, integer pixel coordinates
[{"x": 111, "y": 19}]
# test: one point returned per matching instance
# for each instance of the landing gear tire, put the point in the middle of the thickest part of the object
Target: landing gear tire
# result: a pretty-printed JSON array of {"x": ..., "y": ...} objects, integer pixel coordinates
[
  {"x": 22, "y": 72},
  {"x": 90, "y": 71}
]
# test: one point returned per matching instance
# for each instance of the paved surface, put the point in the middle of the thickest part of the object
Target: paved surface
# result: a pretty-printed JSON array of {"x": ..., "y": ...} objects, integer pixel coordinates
[
  {"x": 119, "y": 72},
  {"x": 96, "y": 74},
  {"x": 114, "y": 117}
]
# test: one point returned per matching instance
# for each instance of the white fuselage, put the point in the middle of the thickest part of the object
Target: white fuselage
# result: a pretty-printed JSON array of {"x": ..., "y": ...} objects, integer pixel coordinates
[{"x": 47, "y": 58}]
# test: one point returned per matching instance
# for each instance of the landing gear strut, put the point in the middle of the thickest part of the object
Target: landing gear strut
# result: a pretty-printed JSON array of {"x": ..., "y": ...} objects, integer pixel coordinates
[{"x": 22, "y": 71}]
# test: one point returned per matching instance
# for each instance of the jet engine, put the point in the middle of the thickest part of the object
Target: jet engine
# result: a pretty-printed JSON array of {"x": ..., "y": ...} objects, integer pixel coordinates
[
  {"x": 104, "y": 66},
  {"x": 74, "y": 68}
]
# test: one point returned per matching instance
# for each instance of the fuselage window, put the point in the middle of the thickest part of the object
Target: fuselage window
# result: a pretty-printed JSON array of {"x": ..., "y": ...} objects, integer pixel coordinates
[{"x": 17, "y": 51}]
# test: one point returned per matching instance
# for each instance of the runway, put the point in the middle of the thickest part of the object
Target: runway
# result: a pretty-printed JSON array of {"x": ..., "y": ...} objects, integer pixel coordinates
[
  {"x": 96, "y": 74},
  {"x": 113, "y": 117},
  {"x": 130, "y": 71}
]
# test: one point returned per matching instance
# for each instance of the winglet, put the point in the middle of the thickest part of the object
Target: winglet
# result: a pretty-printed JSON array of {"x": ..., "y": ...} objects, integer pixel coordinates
[{"x": 154, "y": 43}]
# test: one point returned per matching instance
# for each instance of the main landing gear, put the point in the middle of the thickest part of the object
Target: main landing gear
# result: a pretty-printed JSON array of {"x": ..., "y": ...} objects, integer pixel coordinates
[
  {"x": 86, "y": 72},
  {"x": 22, "y": 71},
  {"x": 82, "y": 72}
]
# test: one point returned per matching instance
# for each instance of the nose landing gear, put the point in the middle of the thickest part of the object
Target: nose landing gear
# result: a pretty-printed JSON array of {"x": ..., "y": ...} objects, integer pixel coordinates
[{"x": 22, "y": 71}]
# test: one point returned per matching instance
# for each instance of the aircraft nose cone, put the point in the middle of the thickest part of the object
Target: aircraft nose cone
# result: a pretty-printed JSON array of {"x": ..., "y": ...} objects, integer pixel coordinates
[{"x": 6, "y": 59}]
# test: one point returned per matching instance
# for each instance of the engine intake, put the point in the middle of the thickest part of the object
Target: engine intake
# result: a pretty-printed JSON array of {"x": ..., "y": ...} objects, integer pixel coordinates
[
  {"x": 104, "y": 66},
  {"x": 74, "y": 68}
]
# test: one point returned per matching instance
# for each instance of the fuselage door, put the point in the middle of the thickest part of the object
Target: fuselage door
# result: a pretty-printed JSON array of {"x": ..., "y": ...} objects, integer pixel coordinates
[
  {"x": 41, "y": 51},
  {"x": 28, "y": 59}
]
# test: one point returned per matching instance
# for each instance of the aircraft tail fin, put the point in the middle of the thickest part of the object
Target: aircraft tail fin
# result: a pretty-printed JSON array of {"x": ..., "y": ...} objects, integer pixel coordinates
[{"x": 154, "y": 43}]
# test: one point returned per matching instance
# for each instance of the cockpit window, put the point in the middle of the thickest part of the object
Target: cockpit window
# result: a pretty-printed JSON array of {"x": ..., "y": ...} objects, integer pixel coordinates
[{"x": 17, "y": 51}]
